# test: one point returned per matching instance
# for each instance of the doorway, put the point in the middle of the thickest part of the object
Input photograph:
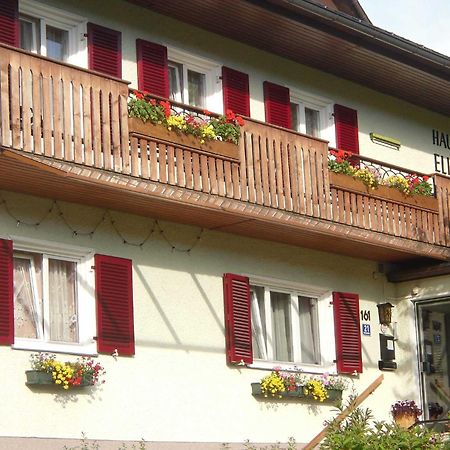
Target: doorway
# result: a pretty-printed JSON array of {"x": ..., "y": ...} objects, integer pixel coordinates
[{"x": 433, "y": 319}]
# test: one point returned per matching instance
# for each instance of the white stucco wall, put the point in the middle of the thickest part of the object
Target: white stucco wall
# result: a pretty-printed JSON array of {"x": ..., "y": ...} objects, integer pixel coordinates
[{"x": 178, "y": 386}]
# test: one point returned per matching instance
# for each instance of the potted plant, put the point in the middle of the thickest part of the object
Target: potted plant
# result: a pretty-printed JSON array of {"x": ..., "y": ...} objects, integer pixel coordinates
[
  {"x": 345, "y": 173},
  {"x": 296, "y": 384},
  {"x": 205, "y": 131},
  {"x": 405, "y": 413},
  {"x": 47, "y": 370}
]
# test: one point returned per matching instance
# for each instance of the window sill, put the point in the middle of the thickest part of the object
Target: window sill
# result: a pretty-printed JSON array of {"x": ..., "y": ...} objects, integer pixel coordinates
[
  {"x": 290, "y": 367},
  {"x": 51, "y": 347}
]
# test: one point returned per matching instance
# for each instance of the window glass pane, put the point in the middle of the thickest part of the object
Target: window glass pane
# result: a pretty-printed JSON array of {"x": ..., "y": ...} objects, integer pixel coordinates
[
  {"x": 62, "y": 301},
  {"x": 56, "y": 43},
  {"x": 27, "y": 296},
  {"x": 312, "y": 122},
  {"x": 282, "y": 332},
  {"x": 294, "y": 117},
  {"x": 196, "y": 88},
  {"x": 259, "y": 334},
  {"x": 308, "y": 327},
  {"x": 175, "y": 81},
  {"x": 29, "y": 34}
]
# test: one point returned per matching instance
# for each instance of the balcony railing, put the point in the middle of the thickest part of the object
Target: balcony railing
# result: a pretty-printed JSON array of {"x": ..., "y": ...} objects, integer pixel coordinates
[{"x": 76, "y": 116}]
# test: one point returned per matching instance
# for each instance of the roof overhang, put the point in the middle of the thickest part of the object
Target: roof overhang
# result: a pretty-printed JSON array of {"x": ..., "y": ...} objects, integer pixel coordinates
[{"x": 310, "y": 34}]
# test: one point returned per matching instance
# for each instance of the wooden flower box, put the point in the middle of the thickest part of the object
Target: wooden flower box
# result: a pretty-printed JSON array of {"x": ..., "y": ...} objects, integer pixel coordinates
[
  {"x": 161, "y": 133},
  {"x": 348, "y": 183}
]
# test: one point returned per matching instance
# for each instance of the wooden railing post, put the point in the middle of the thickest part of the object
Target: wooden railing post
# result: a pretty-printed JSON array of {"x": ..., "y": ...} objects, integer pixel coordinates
[{"x": 442, "y": 186}]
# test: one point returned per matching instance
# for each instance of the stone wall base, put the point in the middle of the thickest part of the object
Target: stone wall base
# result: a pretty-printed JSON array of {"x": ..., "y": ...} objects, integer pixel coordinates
[{"x": 33, "y": 443}]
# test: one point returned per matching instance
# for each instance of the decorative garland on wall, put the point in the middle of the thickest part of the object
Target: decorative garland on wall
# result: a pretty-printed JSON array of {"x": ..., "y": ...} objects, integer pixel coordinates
[{"x": 107, "y": 217}]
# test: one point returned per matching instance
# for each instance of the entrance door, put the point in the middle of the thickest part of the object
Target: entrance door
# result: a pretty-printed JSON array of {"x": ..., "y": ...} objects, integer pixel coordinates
[{"x": 433, "y": 320}]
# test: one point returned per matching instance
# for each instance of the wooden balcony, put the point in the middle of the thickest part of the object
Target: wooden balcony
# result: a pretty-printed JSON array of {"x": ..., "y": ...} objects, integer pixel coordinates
[{"x": 65, "y": 134}]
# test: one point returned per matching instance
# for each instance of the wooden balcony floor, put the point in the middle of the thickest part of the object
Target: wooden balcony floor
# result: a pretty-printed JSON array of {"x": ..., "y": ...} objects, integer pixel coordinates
[{"x": 39, "y": 175}]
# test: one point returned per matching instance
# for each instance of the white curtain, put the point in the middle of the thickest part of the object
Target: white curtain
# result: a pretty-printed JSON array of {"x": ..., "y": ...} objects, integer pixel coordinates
[
  {"x": 282, "y": 333},
  {"x": 25, "y": 300},
  {"x": 308, "y": 343},
  {"x": 62, "y": 298}
]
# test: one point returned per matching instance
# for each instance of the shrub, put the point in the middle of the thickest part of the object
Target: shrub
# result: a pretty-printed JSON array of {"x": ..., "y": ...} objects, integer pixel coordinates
[{"x": 358, "y": 431}]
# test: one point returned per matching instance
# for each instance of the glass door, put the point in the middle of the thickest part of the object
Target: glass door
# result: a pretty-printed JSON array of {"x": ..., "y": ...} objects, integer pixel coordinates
[{"x": 433, "y": 319}]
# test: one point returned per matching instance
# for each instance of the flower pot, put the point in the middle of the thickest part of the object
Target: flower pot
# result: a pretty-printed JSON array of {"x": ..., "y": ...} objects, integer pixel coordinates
[
  {"x": 161, "y": 133},
  {"x": 35, "y": 377},
  {"x": 405, "y": 420},
  {"x": 348, "y": 183}
]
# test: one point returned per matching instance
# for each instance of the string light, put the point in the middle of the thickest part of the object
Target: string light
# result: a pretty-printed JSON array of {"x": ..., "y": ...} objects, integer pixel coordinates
[{"x": 106, "y": 217}]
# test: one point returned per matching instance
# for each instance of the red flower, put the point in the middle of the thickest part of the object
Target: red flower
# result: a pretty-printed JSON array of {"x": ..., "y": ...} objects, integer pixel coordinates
[
  {"x": 206, "y": 112},
  {"x": 425, "y": 178},
  {"x": 139, "y": 96},
  {"x": 240, "y": 121},
  {"x": 166, "y": 106},
  {"x": 152, "y": 102},
  {"x": 230, "y": 116}
]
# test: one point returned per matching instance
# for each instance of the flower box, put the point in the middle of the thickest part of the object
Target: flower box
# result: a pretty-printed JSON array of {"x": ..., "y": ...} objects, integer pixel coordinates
[
  {"x": 351, "y": 184},
  {"x": 160, "y": 132},
  {"x": 334, "y": 395},
  {"x": 39, "y": 377}
]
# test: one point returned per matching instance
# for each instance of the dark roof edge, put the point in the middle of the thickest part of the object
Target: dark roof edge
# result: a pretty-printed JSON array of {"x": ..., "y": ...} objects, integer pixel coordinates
[
  {"x": 361, "y": 11},
  {"x": 365, "y": 30}
]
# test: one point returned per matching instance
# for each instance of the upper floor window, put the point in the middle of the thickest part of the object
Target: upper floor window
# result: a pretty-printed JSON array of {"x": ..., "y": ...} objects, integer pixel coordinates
[
  {"x": 193, "y": 80},
  {"x": 52, "y": 32},
  {"x": 312, "y": 116}
]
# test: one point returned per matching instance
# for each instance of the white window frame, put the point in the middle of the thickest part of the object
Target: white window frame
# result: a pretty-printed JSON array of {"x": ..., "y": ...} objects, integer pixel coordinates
[
  {"x": 211, "y": 70},
  {"x": 321, "y": 104},
  {"x": 325, "y": 321},
  {"x": 75, "y": 25},
  {"x": 86, "y": 313}
]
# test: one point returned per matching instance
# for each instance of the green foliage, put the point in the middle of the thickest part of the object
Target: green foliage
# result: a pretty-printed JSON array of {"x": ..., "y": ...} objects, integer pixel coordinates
[
  {"x": 358, "y": 431},
  {"x": 85, "y": 445}
]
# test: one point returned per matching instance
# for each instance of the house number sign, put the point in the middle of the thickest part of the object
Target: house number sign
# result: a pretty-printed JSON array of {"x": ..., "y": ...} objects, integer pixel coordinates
[{"x": 365, "y": 317}]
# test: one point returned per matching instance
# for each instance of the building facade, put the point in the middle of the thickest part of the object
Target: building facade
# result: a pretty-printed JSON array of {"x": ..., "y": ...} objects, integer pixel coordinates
[{"x": 190, "y": 271}]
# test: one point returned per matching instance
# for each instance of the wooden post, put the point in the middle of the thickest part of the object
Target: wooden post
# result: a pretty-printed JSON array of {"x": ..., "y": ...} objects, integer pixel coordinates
[{"x": 354, "y": 404}]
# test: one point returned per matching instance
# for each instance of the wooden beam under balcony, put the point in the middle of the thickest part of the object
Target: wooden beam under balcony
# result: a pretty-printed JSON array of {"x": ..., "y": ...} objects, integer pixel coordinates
[{"x": 38, "y": 175}]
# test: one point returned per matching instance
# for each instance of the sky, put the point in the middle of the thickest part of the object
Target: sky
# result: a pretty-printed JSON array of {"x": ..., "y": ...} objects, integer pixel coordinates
[{"x": 424, "y": 22}]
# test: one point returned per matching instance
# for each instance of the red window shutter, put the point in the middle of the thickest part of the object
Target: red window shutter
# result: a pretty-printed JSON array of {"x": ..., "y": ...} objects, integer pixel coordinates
[
  {"x": 238, "y": 327},
  {"x": 153, "y": 75},
  {"x": 236, "y": 91},
  {"x": 277, "y": 103},
  {"x": 105, "y": 50},
  {"x": 9, "y": 22},
  {"x": 6, "y": 293},
  {"x": 346, "y": 124},
  {"x": 347, "y": 332},
  {"x": 114, "y": 293}
]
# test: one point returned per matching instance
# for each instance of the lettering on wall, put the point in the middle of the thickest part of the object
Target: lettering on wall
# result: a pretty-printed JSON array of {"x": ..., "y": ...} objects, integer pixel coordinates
[{"x": 441, "y": 161}]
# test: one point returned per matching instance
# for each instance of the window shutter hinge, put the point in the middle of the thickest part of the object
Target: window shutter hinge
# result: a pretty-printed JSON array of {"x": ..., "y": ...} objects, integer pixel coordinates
[{"x": 92, "y": 267}]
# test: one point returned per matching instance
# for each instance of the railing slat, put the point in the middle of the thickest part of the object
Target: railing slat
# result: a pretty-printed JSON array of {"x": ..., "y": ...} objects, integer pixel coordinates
[
  {"x": 58, "y": 102},
  {"x": 4, "y": 98},
  {"x": 15, "y": 100},
  {"x": 26, "y": 85}
]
